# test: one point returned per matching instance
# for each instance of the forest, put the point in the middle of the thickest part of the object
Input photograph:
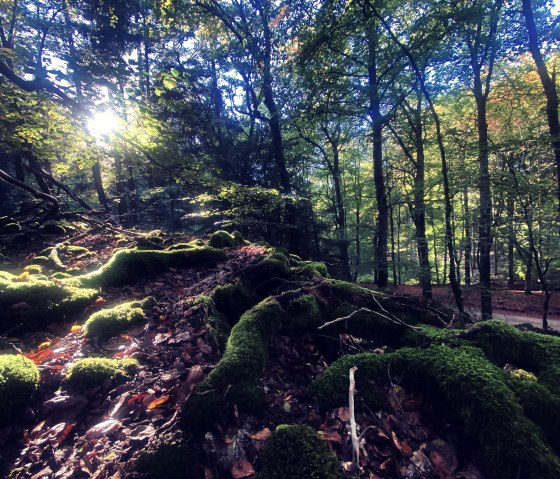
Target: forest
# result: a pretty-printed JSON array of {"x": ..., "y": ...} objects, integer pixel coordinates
[{"x": 265, "y": 238}]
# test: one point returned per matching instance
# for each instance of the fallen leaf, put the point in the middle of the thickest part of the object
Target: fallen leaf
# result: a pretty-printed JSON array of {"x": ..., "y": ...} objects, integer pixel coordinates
[
  {"x": 242, "y": 468},
  {"x": 40, "y": 356},
  {"x": 158, "y": 402},
  {"x": 126, "y": 353},
  {"x": 65, "y": 433},
  {"x": 44, "y": 345},
  {"x": 402, "y": 446},
  {"x": 136, "y": 399},
  {"x": 261, "y": 435},
  {"x": 100, "y": 300},
  {"x": 76, "y": 329},
  {"x": 103, "y": 429},
  {"x": 23, "y": 276},
  {"x": 331, "y": 436}
]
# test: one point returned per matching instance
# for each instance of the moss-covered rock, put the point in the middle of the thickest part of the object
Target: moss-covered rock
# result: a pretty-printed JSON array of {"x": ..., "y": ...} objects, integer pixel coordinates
[
  {"x": 297, "y": 452},
  {"x": 128, "y": 266},
  {"x": 31, "y": 300},
  {"x": 89, "y": 373},
  {"x": 19, "y": 379},
  {"x": 470, "y": 392},
  {"x": 166, "y": 462},
  {"x": 232, "y": 300},
  {"x": 111, "y": 322},
  {"x": 222, "y": 239}
]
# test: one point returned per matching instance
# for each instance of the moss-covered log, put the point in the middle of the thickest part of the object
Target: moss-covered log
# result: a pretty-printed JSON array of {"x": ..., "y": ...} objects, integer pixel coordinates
[{"x": 130, "y": 265}]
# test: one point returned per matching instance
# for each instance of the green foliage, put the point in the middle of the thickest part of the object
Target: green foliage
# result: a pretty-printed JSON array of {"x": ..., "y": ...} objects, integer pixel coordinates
[
  {"x": 19, "y": 379},
  {"x": 130, "y": 265},
  {"x": 469, "y": 390},
  {"x": 297, "y": 452},
  {"x": 89, "y": 373},
  {"x": 168, "y": 461},
  {"x": 111, "y": 322}
]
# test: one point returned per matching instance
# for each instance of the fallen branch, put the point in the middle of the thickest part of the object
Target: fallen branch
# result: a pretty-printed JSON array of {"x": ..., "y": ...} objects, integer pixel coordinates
[{"x": 353, "y": 428}]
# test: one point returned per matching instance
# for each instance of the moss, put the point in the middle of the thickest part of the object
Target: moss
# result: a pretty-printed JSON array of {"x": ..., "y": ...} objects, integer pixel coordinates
[
  {"x": 232, "y": 300},
  {"x": 89, "y": 373},
  {"x": 79, "y": 251},
  {"x": 222, "y": 239},
  {"x": 245, "y": 352},
  {"x": 313, "y": 269},
  {"x": 246, "y": 396},
  {"x": 302, "y": 311},
  {"x": 11, "y": 228},
  {"x": 541, "y": 406},
  {"x": 262, "y": 276},
  {"x": 41, "y": 260},
  {"x": 470, "y": 392},
  {"x": 61, "y": 275},
  {"x": 19, "y": 379},
  {"x": 166, "y": 462},
  {"x": 33, "y": 268},
  {"x": 128, "y": 266},
  {"x": 297, "y": 452},
  {"x": 39, "y": 300},
  {"x": 239, "y": 239},
  {"x": 177, "y": 246},
  {"x": 371, "y": 326},
  {"x": 110, "y": 322},
  {"x": 52, "y": 228}
]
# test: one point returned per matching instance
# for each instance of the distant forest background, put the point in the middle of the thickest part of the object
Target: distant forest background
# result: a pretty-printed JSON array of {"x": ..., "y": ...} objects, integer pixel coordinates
[{"x": 400, "y": 142}]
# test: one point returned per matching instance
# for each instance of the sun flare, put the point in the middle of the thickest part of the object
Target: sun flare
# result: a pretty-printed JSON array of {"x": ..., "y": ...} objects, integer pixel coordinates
[{"x": 103, "y": 123}]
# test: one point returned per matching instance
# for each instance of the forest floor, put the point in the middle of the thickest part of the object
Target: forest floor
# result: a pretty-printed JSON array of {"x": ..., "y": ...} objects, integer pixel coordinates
[
  {"x": 510, "y": 304},
  {"x": 101, "y": 433}
]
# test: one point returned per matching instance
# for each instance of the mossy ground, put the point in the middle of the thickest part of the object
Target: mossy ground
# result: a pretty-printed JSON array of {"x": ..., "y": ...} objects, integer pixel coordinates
[
  {"x": 19, "y": 379},
  {"x": 113, "y": 321},
  {"x": 89, "y": 373},
  {"x": 297, "y": 452}
]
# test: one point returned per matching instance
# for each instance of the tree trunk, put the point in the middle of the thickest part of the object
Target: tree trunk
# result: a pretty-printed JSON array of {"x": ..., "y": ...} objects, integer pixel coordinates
[
  {"x": 468, "y": 236},
  {"x": 549, "y": 86},
  {"x": 277, "y": 147},
  {"x": 419, "y": 213},
  {"x": 485, "y": 221},
  {"x": 511, "y": 240},
  {"x": 378, "y": 170},
  {"x": 98, "y": 184}
]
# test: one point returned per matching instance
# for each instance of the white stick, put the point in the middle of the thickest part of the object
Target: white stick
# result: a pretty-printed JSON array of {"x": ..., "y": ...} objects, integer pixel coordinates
[{"x": 353, "y": 431}]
